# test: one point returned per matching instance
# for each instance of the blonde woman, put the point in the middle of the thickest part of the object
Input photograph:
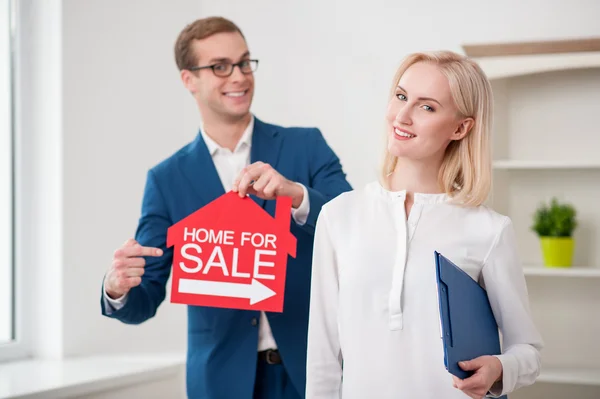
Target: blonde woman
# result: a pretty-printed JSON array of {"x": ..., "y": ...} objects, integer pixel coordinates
[{"x": 374, "y": 327}]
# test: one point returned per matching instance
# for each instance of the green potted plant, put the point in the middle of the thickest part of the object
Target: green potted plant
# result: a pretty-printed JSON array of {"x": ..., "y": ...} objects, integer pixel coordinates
[{"x": 554, "y": 224}]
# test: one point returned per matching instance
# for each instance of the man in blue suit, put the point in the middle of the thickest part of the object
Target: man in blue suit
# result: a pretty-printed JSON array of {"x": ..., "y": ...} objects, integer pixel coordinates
[{"x": 236, "y": 354}]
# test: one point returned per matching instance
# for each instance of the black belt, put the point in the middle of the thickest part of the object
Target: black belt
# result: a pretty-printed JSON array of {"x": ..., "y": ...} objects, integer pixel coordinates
[{"x": 270, "y": 356}]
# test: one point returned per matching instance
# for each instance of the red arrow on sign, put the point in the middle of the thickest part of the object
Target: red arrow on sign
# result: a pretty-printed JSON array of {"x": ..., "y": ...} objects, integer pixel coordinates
[{"x": 255, "y": 291}]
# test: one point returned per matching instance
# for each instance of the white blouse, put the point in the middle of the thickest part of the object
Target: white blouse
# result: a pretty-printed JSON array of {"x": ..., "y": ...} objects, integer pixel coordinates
[{"x": 374, "y": 306}]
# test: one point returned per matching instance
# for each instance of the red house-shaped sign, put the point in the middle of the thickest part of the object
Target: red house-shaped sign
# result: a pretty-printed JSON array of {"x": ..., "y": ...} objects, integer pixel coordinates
[{"x": 232, "y": 254}]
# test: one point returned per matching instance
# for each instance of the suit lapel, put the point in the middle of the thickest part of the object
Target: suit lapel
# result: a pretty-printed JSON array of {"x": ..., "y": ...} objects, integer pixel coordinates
[
  {"x": 199, "y": 168},
  {"x": 266, "y": 145}
]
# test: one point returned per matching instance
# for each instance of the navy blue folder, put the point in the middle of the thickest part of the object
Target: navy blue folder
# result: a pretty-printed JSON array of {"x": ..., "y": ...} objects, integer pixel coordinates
[{"x": 469, "y": 328}]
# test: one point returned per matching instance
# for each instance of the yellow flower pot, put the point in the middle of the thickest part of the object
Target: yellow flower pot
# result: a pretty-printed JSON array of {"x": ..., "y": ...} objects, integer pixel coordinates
[{"x": 558, "y": 251}]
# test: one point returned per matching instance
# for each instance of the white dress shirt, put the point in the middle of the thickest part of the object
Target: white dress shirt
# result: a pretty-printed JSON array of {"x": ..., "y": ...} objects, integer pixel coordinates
[
  {"x": 229, "y": 165},
  {"x": 374, "y": 305}
]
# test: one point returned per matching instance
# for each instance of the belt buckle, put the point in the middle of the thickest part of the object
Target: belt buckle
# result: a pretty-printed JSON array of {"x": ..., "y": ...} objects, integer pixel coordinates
[{"x": 268, "y": 357}]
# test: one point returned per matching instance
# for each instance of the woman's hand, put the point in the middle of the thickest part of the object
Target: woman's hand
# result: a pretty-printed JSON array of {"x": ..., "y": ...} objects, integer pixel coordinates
[{"x": 488, "y": 370}]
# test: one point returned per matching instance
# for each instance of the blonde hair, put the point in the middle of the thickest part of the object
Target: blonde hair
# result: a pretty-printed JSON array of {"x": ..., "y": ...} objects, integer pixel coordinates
[{"x": 466, "y": 171}]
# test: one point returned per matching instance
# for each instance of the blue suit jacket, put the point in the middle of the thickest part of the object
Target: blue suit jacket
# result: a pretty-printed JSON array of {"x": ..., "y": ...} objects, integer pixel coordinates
[{"x": 222, "y": 343}]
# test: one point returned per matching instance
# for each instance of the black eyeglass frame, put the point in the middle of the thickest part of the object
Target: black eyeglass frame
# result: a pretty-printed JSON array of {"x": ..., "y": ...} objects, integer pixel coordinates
[{"x": 253, "y": 67}]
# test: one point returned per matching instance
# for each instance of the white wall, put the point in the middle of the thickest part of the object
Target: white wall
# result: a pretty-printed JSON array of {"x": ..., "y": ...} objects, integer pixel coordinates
[
  {"x": 330, "y": 63},
  {"x": 323, "y": 63},
  {"x": 5, "y": 179},
  {"x": 123, "y": 110}
]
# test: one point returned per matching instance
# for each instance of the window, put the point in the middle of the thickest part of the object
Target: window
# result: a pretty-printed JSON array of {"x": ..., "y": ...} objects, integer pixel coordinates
[{"x": 7, "y": 303}]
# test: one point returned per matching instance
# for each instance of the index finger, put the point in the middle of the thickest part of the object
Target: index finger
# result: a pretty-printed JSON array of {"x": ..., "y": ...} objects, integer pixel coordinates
[
  {"x": 247, "y": 181},
  {"x": 139, "y": 250}
]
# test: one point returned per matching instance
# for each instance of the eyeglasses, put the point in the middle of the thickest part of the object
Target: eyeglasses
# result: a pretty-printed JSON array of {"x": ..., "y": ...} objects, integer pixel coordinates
[{"x": 225, "y": 69}]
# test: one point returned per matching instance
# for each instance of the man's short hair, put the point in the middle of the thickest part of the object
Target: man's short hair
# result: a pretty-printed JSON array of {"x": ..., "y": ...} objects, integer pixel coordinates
[{"x": 198, "y": 30}]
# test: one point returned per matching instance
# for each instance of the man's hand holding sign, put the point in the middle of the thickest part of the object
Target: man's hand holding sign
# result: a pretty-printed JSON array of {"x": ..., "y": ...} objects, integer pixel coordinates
[{"x": 262, "y": 180}]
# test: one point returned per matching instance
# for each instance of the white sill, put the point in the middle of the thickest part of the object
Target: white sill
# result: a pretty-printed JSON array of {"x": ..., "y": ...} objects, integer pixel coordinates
[{"x": 34, "y": 379}]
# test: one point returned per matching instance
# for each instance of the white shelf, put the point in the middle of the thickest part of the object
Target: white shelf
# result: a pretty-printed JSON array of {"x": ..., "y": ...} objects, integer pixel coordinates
[
  {"x": 518, "y": 65},
  {"x": 527, "y": 165},
  {"x": 575, "y": 271},
  {"x": 579, "y": 376}
]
